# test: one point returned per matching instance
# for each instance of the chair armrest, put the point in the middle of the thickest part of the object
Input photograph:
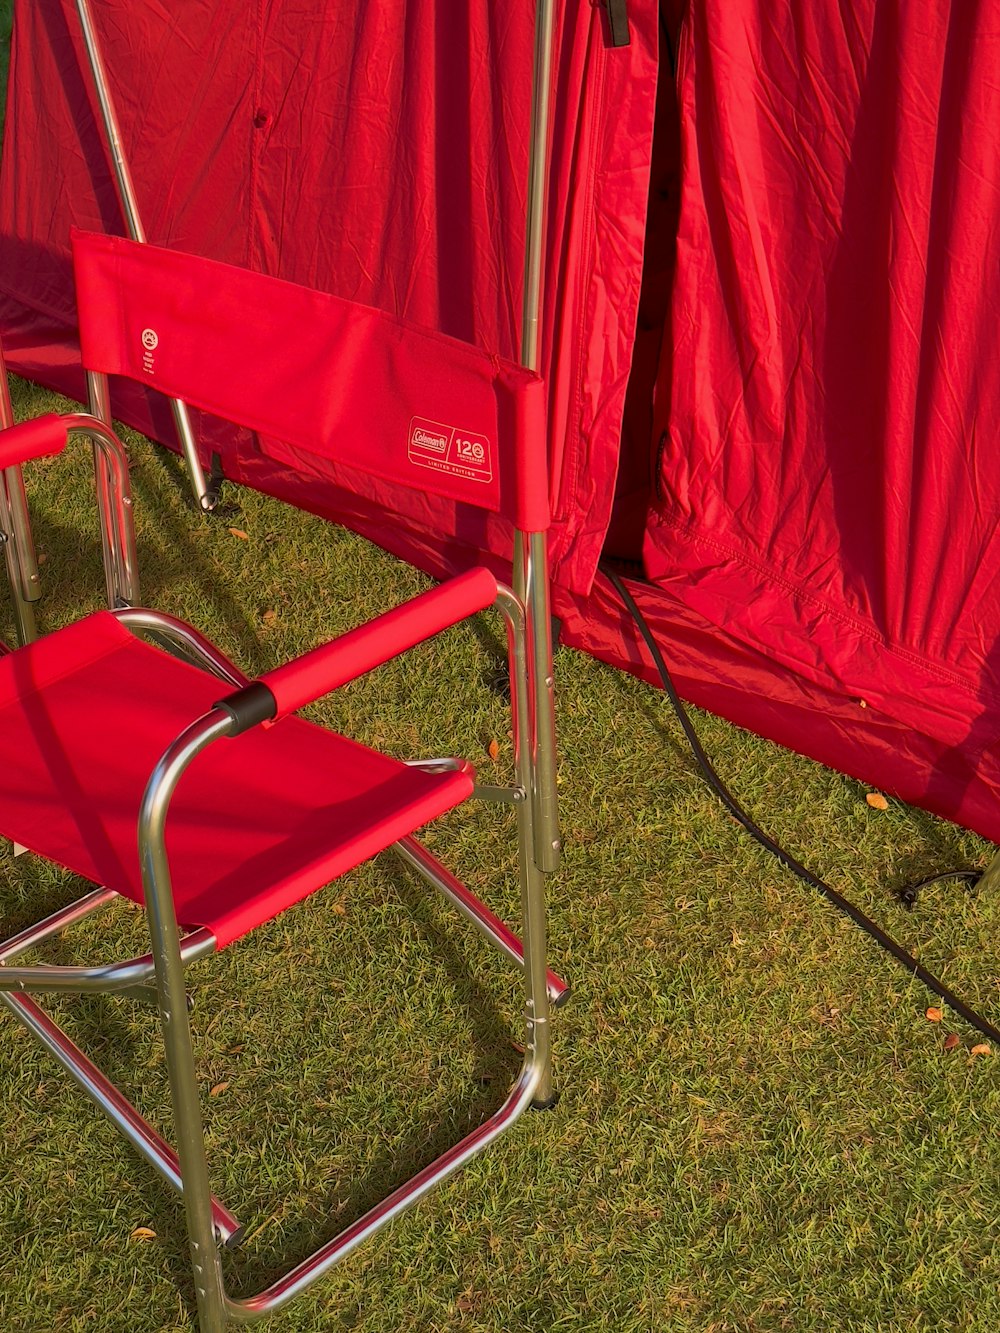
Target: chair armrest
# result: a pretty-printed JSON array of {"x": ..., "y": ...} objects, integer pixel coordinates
[
  {"x": 305, "y": 678},
  {"x": 38, "y": 438}
]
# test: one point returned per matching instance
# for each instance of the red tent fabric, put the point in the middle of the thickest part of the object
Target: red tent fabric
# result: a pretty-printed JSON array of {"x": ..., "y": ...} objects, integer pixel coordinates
[
  {"x": 377, "y": 151},
  {"x": 825, "y": 485},
  {"x": 791, "y": 248}
]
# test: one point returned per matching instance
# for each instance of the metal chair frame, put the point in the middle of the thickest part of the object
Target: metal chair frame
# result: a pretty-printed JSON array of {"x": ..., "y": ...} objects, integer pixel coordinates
[
  {"x": 210, "y": 1222},
  {"x": 526, "y": 610}
]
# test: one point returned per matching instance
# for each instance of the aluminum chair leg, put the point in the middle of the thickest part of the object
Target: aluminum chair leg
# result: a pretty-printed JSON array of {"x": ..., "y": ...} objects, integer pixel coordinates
[
  {"x": 990, "y": 878},
  {"x": 19, "y": 555},
  {"x": 532, "y": 1088},
  {"x": 19, "y": 546},
  {"x": 415, "y": 1189},
  {"x": 531, "y": 585},
  {"x": 538, "y": 1040},
  {"x": 178, "y": 1045},
  {"x": 88, "y": 1077},
  {"x": 430, "y": 869},
  {"x": 119, "y": 1110}
]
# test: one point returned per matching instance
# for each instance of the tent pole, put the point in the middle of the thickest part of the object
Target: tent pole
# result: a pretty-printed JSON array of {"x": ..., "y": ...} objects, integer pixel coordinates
[
  {"x": 537, "y": 177},
  {"x": 18, "y": 546},
  {"x": 531, "y": 559},
  {"x": 133, "y": 223}
]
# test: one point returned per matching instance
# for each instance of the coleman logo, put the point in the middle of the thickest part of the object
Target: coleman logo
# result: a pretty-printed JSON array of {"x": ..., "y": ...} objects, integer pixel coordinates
[
  {"x": 461, "y": 453},
  {"x": 429, "y": 439}
]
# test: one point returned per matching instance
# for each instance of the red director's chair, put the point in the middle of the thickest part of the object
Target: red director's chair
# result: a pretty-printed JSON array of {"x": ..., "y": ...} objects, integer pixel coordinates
[{"x": 197, "y": 792}]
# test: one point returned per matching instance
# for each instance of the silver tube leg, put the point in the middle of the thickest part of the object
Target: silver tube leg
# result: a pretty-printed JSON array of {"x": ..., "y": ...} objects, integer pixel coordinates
[
  {"x": 305, "y": 1274},
  {"x": 100, "y": 405},
  {"x": 133, "y": 222},
  {"x": 537, "y": 1028},
  {"x": 122, "y": 1114},
  {"x": 989, "y": 880},
  {"x": 473, "y": 909},
  {"x": 189, "y": 448},
  {"x": 24, "y": 611},
  {"x": 81, "y": 1068},
  {"x": 177, "y": 1040},
  {"x": 19, "y": 546},
  {"x": 531, "y": 569},
  {"x": 114, "y": 495},
  {"x": 56, "y": 923},
  {"x": 31, "y": 586},
  {"x": 531, "y": 584}
]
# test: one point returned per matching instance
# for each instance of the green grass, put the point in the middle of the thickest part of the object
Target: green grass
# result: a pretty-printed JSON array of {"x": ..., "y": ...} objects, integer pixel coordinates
[{"x": 758, "y": 1129}]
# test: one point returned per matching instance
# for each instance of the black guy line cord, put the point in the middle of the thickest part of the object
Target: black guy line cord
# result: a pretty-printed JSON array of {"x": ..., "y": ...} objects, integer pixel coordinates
[{"x": 880, "y": 937}]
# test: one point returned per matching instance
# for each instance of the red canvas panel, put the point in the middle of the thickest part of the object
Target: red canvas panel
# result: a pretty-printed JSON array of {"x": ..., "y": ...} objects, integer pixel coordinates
[
  {"x": 297, "y": 683},
  {"x": 339, "y": 380},
  {"x": 259, "y": 820},
  {"x": 38, "y": 437}
]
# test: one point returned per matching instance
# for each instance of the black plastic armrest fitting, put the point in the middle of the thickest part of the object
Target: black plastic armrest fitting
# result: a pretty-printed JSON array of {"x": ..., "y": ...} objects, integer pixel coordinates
[{"x": 249, "y": 706}]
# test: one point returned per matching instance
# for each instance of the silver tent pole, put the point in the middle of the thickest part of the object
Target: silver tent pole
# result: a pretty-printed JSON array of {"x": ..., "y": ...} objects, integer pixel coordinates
[
  {"x": 531, "y": 559},
  {"x": 18, "y": 546},
  {"x": 133, "y": 223}
]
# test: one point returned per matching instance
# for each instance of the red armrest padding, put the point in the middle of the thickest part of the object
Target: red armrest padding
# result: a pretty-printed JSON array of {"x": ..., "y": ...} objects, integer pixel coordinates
[
  {"x": 331, "y": 664},
  {"x": 37, "y": 438}
]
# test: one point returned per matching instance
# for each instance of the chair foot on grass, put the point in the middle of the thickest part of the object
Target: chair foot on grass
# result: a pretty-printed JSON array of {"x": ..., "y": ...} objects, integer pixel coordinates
[{"x": 548, "y": 1104}]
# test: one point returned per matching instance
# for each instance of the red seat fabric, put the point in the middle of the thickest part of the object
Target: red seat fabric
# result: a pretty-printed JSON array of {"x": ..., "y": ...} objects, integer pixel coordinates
[{"x": 258, "y": 822}]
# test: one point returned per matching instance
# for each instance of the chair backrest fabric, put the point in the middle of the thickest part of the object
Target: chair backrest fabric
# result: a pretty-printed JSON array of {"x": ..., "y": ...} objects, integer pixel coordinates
[{"x": 332, "y": 377}]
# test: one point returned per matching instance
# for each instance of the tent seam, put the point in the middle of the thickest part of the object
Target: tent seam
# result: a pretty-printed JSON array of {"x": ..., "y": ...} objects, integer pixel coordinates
[{"x": 862, "y": 627}]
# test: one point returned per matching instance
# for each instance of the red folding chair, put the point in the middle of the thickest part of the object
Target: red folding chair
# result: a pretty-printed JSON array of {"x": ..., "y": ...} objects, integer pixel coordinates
[{"x": 200, "y": 794}]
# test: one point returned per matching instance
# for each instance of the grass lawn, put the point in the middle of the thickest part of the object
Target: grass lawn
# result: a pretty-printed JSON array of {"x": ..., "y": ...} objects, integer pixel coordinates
[{"x": 758, "y": 1129}]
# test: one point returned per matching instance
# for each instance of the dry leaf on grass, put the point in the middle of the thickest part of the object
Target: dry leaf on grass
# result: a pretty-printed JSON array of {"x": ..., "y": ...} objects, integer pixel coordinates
[
  {"x": 982, "y": 1048},
  {"x": 219, "y": 1088},
  {"x": 493, "y": 750},
  {"x": 238, "y": 532},
  {"x": 877, "y": 801},
  {"x": 933, "y": 1015},
  {"x": 143, "y": 1233},
  {"x": 951, "y": 1041}
]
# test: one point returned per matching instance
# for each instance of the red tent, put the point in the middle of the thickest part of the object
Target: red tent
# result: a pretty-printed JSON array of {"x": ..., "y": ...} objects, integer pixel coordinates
[{"x": 771, "y": 292}]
